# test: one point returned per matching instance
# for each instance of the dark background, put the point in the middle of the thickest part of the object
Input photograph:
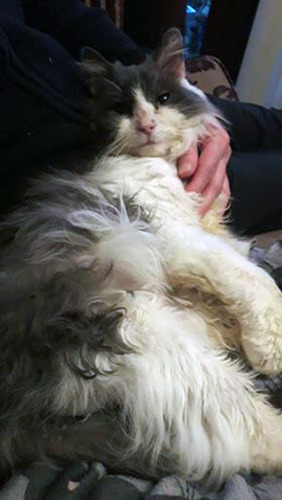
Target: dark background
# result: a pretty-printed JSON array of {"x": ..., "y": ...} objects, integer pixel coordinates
[{"x": 227, "y": 32}]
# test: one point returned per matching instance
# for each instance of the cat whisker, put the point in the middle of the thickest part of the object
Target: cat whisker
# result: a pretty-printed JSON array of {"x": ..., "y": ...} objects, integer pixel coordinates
[{"x": 119, "y": 146}]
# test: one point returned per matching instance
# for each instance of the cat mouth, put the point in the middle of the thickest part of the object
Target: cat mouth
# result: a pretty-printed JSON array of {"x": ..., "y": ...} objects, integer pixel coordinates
[
  {"x": 149, "y": 142},
  {"x": 150, "y": 148},
  {"x": 147, "y": 147}
]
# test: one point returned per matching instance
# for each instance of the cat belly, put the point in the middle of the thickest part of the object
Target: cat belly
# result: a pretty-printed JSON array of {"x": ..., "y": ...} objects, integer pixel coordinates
[{"x": 194, "y": 257}]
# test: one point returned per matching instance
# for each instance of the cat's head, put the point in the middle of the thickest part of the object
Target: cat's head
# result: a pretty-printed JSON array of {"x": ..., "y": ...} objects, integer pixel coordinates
[{"x": 149, "y": 109}]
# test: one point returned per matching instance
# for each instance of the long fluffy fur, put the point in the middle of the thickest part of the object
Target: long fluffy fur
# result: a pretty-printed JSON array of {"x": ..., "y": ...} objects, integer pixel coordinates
[{"x": 118, "y": 306}]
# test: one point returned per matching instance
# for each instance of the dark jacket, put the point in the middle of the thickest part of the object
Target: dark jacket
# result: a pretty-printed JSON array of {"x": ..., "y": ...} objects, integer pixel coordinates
[
  {"x": 255, "y": 168},
  {"x": 41, "y": 89}
]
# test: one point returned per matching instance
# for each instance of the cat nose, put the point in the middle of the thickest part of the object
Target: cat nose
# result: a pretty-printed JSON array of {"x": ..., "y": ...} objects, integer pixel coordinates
[{"x": 146, "y": 129}]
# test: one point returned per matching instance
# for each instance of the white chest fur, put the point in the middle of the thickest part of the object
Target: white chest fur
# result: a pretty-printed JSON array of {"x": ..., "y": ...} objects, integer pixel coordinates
[{"x": 152, "y": 182}]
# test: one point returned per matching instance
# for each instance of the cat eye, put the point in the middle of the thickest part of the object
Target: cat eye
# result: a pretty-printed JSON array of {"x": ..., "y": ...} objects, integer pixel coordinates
[{"x": 163, "y": 98}]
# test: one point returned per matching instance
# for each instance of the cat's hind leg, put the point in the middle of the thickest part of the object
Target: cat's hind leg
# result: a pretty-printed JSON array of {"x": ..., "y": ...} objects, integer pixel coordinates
[
  {"x": 196, "y": 258},
  {"x": 187, "y": 398}
]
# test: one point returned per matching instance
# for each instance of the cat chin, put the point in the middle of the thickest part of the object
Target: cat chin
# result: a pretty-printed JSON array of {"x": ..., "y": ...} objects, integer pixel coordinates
[{"x": 152, "y": 150}]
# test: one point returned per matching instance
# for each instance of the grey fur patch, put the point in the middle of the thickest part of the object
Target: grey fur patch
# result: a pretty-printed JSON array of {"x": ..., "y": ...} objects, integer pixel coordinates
[{"x": 51, "y": 314}]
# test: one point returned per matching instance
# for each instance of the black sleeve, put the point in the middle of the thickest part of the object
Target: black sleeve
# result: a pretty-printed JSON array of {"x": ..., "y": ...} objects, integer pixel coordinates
[
  {"x": 74, "y": 25},
  {"x": 251, "y": 127}
]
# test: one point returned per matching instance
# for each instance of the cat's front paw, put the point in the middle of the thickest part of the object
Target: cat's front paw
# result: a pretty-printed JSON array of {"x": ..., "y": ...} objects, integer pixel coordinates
[
  {"x": 263, "y": 346},
  {"x": 268, "y": 363}
]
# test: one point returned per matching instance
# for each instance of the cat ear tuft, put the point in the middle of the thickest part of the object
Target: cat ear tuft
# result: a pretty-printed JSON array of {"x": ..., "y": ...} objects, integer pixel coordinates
[
  {"x": 169, "y": 56},
  {"x": 93, "y": 64},
  {"x": 172, "y": 38}
]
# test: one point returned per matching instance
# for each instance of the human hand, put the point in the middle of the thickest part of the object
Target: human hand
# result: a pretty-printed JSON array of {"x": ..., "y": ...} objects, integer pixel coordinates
[{"x": 206, "y": 169}]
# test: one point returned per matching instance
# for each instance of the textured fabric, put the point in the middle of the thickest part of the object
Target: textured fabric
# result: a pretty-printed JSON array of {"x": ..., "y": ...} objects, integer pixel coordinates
[
  {"x": 209, "y": 74},
  {"x": 252, "y": 127},
  {"x": 82, "y": 481},
  {"x": 256, "y": 186}
]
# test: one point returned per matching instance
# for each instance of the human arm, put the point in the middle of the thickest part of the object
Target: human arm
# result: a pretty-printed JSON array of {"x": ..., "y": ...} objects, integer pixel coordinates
[{"x": 251, "y": 127}]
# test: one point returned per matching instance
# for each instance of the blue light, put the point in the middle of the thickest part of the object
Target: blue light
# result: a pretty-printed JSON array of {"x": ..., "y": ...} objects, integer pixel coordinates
[{"x": 190, "y": 10}]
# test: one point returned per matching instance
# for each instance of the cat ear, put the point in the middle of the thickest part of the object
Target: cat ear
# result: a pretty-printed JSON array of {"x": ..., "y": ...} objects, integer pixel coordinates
[
  {"x": 169, "y": 56},
  {"x": 93, "y": 64}
]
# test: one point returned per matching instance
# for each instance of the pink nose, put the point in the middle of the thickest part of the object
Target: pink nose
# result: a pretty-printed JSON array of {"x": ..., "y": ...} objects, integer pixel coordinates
[{"x": 146, "y": 129}]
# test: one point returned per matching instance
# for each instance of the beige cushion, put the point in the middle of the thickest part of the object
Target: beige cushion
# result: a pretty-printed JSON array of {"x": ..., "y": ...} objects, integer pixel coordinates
[{"x": 210, "y": 75}]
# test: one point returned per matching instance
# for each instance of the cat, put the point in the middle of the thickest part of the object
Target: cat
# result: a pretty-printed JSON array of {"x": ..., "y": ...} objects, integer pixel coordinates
[{"x": 121, "y": 308}]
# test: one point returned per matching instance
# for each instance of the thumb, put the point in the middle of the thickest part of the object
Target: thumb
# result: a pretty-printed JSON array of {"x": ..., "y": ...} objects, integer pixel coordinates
[{"x": 188, "y": 162}]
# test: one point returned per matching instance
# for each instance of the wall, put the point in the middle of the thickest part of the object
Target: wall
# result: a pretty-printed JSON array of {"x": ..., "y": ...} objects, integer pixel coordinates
[{"x": 260, "y": 76}]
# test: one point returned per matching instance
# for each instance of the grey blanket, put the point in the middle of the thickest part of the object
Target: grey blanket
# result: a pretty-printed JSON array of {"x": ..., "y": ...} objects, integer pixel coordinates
[
  {"x": 82, "y": 481},
  {"x": 91, "y": 481}
]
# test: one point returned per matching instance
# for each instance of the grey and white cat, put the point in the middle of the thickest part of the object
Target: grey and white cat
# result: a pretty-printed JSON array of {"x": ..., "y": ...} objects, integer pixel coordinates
[{"x": 119, "y": 306}]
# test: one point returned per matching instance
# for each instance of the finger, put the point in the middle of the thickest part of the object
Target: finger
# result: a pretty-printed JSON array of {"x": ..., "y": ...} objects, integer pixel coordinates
[
  {"x": 226, "y": 192},
  {"x": 214, "y": 188},
  {"x": 188, "y": 162},
  {"x": 214, "y": 150},
  {"x": 225, "y": 196}
]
